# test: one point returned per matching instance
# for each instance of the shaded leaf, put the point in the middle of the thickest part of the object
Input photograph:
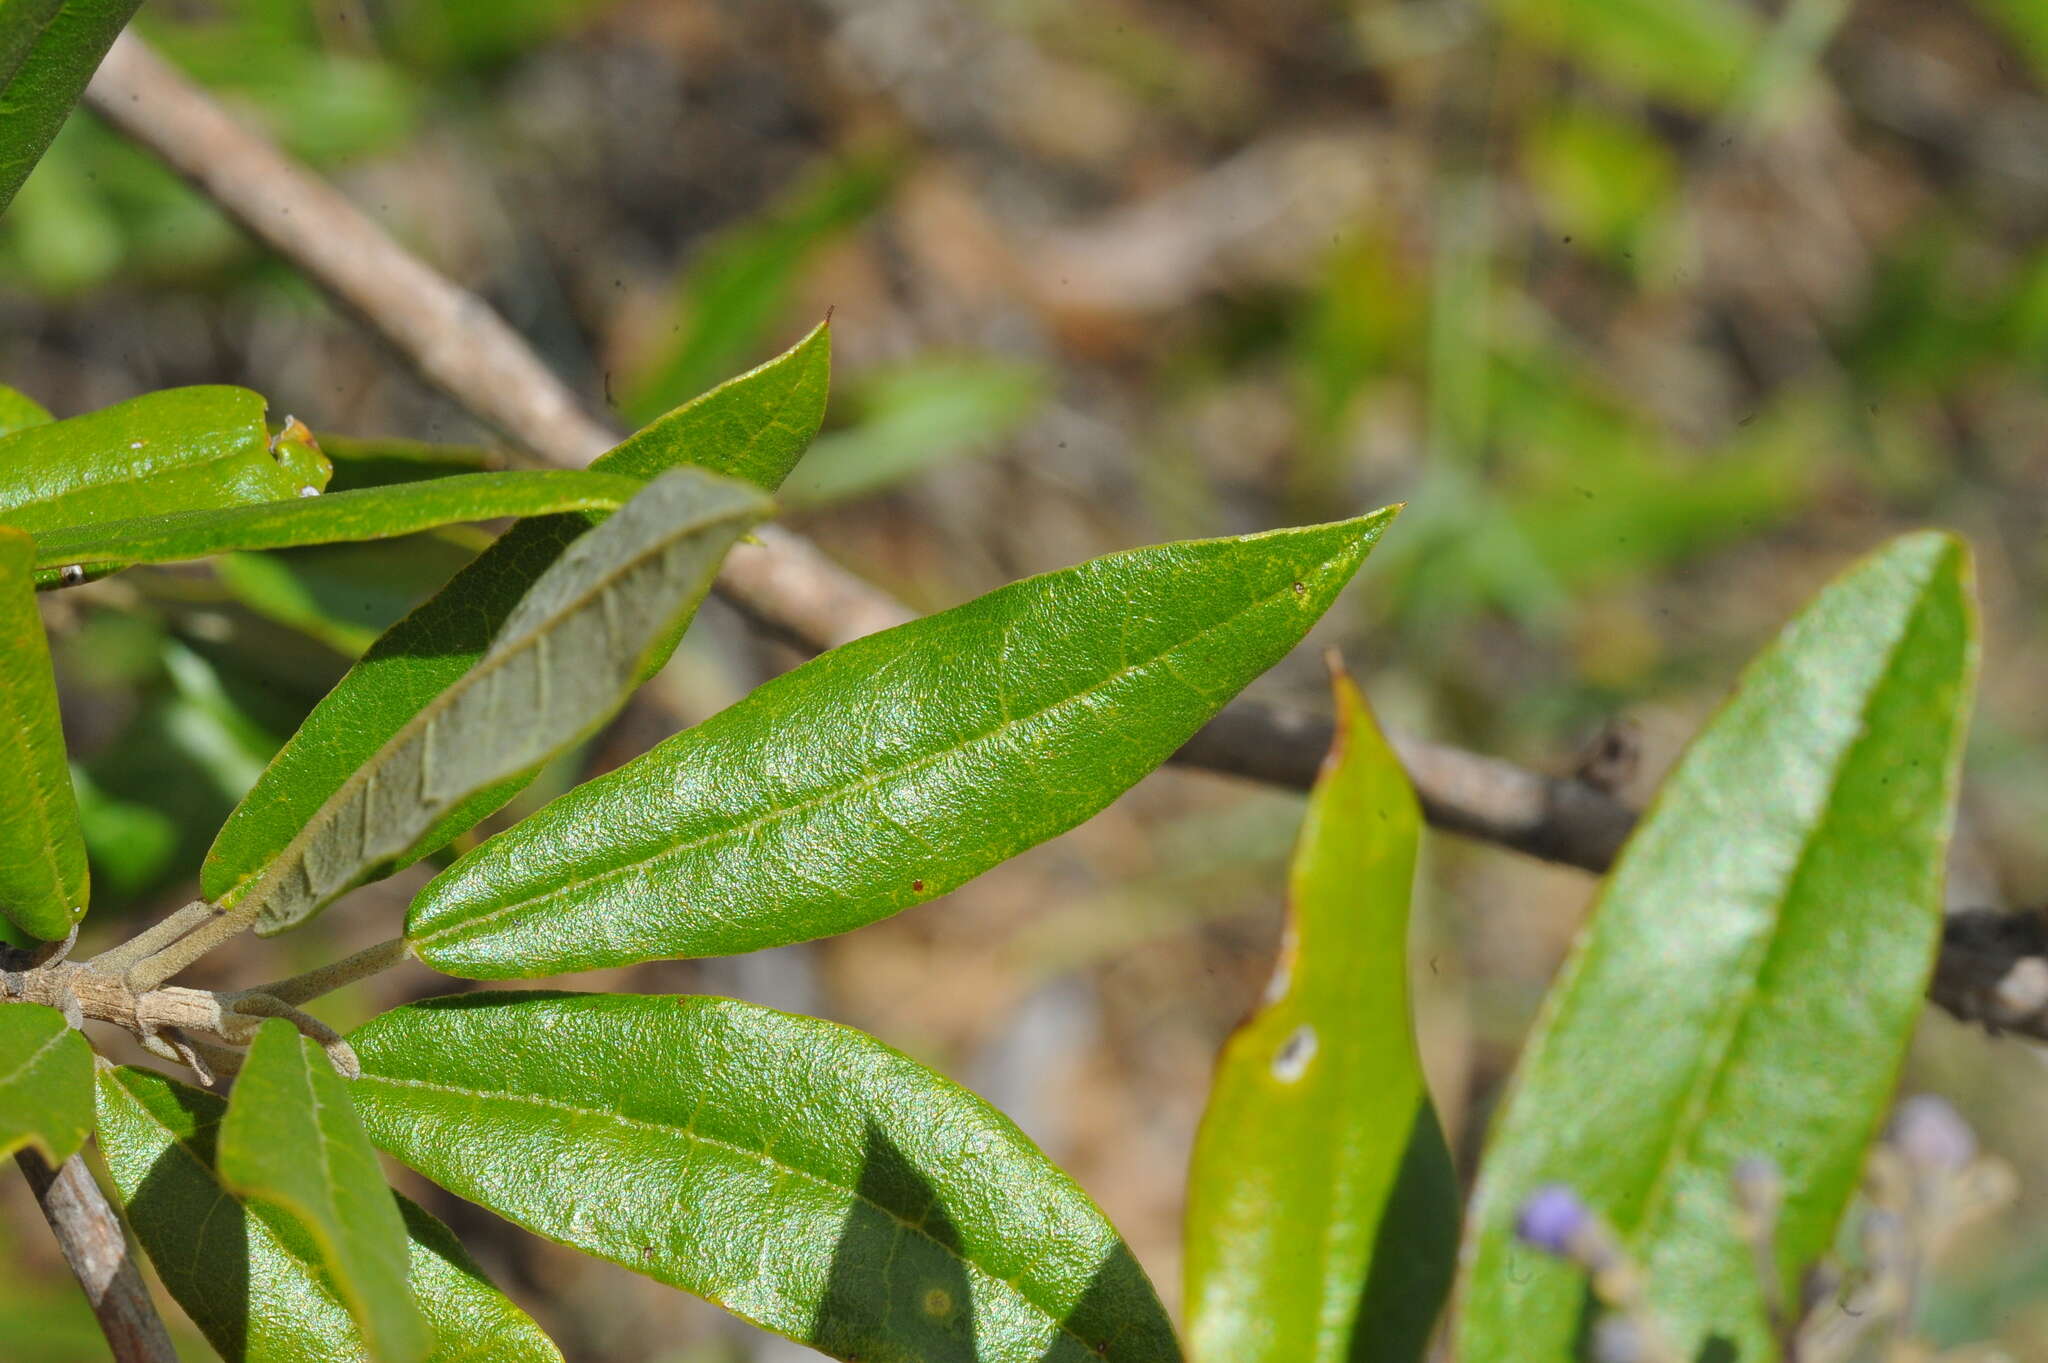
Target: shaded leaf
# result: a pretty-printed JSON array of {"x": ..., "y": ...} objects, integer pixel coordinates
[
  {"x": 796, "y": 1172},
  {"x": 1749, "y": 978},
  {"x": 754, "y": 427},
  {"x": 890, "y": 770},
  {"x": 1322, "y": 1205},
  {"x": 48, "y": 51},
  {"x": 243, "y": 1270},
  {"x": 291, "y": 1139},
  {"x": 368, "y": 514},
  {"x": 42, "y": 852},
  {"x": 45, "y": 1082},
  {"x": 561, "y": 663},
  {"x": 180, "y": 449}
]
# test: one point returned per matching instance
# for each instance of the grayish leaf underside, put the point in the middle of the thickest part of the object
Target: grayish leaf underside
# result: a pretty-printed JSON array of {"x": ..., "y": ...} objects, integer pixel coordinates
[{"x": 565, "y": 657}]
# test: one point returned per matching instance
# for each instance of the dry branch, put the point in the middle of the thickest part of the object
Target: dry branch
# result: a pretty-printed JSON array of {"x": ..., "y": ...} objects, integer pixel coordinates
[
  {"x": 95, "y": 1244},
  {"x": 1993, "y": 974}
]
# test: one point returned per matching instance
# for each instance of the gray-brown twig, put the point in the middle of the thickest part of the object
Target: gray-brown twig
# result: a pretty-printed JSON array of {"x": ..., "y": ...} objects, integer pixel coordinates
[
  {"x": 791, "y": 589},
  {"x": 95, "y": 1244}
]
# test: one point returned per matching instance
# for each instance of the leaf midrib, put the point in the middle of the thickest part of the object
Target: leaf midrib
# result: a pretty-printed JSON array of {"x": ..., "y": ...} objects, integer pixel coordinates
[
  {"x": 463, "y": 927},
  {"x": 35, "y": 1057},
  {"x": 1729, "y": 1024},
  {"x": 691, "y": 1134},
  {"x": 492, "y": 661}
]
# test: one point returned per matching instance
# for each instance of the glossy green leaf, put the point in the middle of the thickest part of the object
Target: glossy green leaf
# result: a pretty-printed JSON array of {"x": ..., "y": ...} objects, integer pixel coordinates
[
  {"x": 45, "y": 1082},
  {"x": 245, "y": 1271},
  {"x": 1748, "y": 980},
  {"x": 368, "y": 514},
  {"x": 48, "y": 51},
  {"x": 754, "y": 427},
  {"x": 42, "y": 853},
  {"x": 796, "y": 1172},
  {"x": 1322, "y": 1206},
  {"x": 19, "y": 411},
  {"x": 291, "y": 1139},
  {"x": 561, "y": 663},
  {"x": 890, "y": 770},
  {"x": 180, "y": 449}
]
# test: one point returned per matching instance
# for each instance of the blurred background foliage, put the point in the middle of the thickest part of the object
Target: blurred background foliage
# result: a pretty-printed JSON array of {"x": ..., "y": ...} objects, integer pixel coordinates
[{"x": 1656, "y": 312}]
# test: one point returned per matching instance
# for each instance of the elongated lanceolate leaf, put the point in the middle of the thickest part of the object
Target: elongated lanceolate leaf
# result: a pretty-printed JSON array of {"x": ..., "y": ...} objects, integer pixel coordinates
[
  {"x": 180, "y": 449},
  {"x": 369, "y": 514},
  {"x": 42, "y": 851},
  {"x": 48, "y": 51},
  {"x": 247, "y": 1272},
  {"x": 561, "y": 663},
  {"x": 890, "y": 770},
  {"x": 291, "y": 1139},
  {"x": 1322, "y": 1206},
  {"x": 45, "y": 1082},
  {"x": 753, "y": 428},
  {"x": 1747, "y": 982},
  {"x": 798, "y": 1173}
]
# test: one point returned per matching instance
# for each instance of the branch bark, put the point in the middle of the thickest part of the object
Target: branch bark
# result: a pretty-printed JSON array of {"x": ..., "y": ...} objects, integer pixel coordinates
[
  {"x": 95, "y": 1244},
  {"x": 784, "y": 584}
]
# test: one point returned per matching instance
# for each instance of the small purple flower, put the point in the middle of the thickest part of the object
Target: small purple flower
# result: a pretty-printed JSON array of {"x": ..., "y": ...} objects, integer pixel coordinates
[
  {"x": 1932, "y": 1135},
  {"x": 1552, "y": 1219}
]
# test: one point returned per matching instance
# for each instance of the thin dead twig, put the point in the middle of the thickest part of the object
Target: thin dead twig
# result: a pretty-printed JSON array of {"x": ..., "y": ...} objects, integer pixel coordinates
[{"x": 95, "y": 1244}]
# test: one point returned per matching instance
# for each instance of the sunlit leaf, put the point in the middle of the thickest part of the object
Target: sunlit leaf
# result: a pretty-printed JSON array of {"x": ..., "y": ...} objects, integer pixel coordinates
[
  {"x": 1749, "y": 978},
  {"x": 42, "y": 852},
  {"x": 242, "y": 1270},
  {"x": 45, "y": 1082},
  {"x": 291, "y": 1139},
  {"x": 890, "y": 770},
  {"x": 1322, "y": 1206},
  {"x": 796, "y": 1172}
]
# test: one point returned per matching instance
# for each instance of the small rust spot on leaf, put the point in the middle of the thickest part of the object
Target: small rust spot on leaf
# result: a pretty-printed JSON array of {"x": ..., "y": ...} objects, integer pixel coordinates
[{"x": 917, "y": 886}]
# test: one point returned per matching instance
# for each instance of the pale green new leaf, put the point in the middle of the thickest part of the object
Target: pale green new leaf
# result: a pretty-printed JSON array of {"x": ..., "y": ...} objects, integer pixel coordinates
[
  {"x": 754, "y": 428},
  {"x": 42, "y": 851},
  {"x": 1322, "y": 1205},
  {"x": 890, "y": 770},
  {"x": 45, "y": 1082},
  {"x": 561, "y": 663},
  {"x": 245, "y": 1271},
  {"x": 291, "y": 1139},
  {"x": 1748, "y": 980},
  {"x": 367, "y": 514},
  {"x": 48, "y": 51},
  {"x": 796, "y": 1172},
  {"x": 180, "y": 449}
]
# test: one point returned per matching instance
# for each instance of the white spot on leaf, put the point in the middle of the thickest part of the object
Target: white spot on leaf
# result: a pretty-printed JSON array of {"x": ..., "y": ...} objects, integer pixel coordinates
[{"x": 1290, "y": 1062}]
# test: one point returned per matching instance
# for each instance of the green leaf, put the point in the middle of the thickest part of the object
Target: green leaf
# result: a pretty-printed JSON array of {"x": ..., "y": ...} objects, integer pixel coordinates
[
  {"x": 42, "y": 853},
  {"x": 754, "y": 427},
  {"x": 181, "y": 449},
  {"x": 1749, "y": 978},
  {"x": 19, "y": 411},
  {"x": 1322, "y": 1205},
  {"x": 48, "y": 51},
  {"x": 379, "y": 461},
  {"x": 291, "y": 1139},
  {"x": 561, "y": 663},
  {"x": 245, "y": 1271},
  {"x": 372, "y": 513},
  {"x": 45, "y": 1082},
  {"x": 890, "y": 770},
  {"x": 796, "y": 1172}
]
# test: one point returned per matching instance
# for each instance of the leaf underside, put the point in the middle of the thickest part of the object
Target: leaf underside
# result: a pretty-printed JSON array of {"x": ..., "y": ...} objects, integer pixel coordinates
[
  {"x": 753, "y": 428},
  {"x": 43, "y": 876},
  {"x": 45, "y": 1082}
]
